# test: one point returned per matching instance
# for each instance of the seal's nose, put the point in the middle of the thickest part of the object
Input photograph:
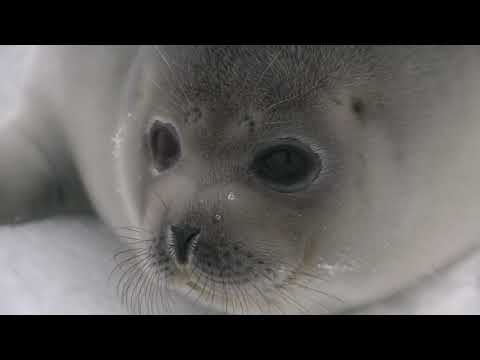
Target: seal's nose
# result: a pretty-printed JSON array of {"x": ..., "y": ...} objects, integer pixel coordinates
[{"x": 183, "y": 236}]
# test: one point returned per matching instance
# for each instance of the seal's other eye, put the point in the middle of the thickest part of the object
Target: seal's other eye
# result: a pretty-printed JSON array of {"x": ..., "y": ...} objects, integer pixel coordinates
[
  {"x": 165, "y": 145},
  {"x": 286, "y": 167}
]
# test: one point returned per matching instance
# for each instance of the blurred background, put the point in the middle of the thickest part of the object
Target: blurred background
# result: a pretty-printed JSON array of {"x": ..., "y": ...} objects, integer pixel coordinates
[{"x": 61, "y": 265}]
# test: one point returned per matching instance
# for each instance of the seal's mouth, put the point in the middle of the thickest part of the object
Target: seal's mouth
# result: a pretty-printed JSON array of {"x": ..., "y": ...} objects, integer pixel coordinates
[{"x": 215, "y": 272}]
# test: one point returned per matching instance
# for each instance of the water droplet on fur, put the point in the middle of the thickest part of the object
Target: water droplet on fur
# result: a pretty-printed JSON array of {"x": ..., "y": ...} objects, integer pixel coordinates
[
  {"x": 218, "y": 217},
  {"x": 231, "y": 196}
]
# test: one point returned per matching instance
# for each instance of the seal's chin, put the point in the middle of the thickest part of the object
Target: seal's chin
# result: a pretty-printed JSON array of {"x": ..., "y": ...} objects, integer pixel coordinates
[{"x": 229, "y": 289}]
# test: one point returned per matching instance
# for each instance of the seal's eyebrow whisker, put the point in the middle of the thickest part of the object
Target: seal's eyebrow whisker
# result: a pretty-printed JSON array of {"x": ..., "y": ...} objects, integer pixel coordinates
[
  {"x": 164, "y": 59},
  {"x": 269, "y": 65},
  {"x": 174, "y": 99},
  {"x": 294, "y": 97}
]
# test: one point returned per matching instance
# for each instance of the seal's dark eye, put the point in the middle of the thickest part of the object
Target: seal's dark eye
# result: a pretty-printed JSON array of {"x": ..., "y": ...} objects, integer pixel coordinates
[
  {"x": 286, "y": 167},
  {"x": 165, "y": 145}
]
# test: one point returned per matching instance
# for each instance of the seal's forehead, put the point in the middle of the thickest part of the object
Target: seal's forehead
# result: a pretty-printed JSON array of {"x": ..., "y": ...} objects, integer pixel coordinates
[
  {"x": 263, "y": 73},
  {"x": 253, "y": 55}
]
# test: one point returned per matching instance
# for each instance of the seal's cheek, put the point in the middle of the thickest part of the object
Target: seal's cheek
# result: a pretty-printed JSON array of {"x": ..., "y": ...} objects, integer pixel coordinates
[{"x": 267, "y": 228}]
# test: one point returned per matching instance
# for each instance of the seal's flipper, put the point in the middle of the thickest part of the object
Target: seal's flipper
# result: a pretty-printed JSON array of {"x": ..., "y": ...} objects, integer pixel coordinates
[
  {"x": 26, "y": 185},
  {"x": 30, "y": 185}
]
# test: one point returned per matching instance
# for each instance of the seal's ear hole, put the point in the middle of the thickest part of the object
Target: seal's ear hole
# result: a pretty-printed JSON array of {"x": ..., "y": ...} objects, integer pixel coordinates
[{"x": 165, "y": 145}]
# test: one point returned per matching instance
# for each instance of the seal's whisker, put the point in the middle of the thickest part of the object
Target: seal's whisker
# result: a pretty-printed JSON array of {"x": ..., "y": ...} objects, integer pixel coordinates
[
  {"x": 248, "y": 297},
  {"x": 316, "y": 290},
  {"x": 154, "y": 281},
  {"x": 267, "y": 301},
  {"x": 238, "y": 298},
  {"x": 313, "y": 292},
  {"x": 133, "y": 228},
  {"x": 129, "y": 269},
  {"x": 279, "y": 291},
  {"x": 162, "y": 290},
  {"x": 135, "y": 278},
  {"x": 143, "y": 270},
  {"x": 127, "y": 251},
  {"x": 297, "y": 270},
  {"x": 252, "y": 285},
  {"x": 203, "y": 288},
  {"x": 166, "y": 294},
  {"x": 119, "y": 265},
  {"x": 136, "y": 240},
  {"x": 150, "y": 287}
]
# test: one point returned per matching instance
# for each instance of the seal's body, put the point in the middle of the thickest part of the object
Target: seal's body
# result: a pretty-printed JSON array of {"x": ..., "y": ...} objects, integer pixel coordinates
[{"x": 256, "y": 179}]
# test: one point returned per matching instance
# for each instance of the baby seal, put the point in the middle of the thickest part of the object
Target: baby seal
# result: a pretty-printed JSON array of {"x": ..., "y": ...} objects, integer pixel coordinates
[{"x": 255, "y": 179}]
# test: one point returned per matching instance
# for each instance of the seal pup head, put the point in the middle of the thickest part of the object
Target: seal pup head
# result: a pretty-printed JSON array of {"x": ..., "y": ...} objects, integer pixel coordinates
[{"x": 278, "y": 179}]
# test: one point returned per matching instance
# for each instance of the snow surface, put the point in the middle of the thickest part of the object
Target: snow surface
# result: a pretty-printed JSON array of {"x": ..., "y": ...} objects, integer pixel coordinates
[{"x": 61, "y": 265}]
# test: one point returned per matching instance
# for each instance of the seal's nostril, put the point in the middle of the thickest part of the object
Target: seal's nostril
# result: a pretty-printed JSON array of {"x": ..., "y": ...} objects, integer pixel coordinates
[{"x": 183, "y": 236}]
